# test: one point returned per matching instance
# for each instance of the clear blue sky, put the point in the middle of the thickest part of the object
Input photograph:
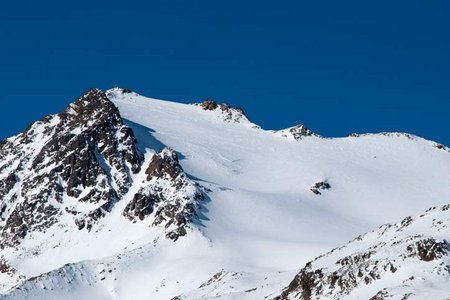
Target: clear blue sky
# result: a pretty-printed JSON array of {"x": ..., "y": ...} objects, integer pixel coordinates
[{"x": 337, "y": 66}]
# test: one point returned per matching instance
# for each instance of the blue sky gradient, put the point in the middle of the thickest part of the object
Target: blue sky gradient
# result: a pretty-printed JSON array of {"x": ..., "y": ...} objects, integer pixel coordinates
[{"x": 336, "y": 66}]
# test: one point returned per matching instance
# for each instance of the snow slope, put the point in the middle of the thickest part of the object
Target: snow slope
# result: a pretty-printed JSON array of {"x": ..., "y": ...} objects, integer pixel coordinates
[
  {"x": 259, "y": 221},
  {"x": 261, "y": 182}
]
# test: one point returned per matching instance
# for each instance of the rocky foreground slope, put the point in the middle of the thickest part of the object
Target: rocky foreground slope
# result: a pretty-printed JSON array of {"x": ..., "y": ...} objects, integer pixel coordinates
[
  {"x": 125, "y": 197},
  {"x": 407, "y": 260}
]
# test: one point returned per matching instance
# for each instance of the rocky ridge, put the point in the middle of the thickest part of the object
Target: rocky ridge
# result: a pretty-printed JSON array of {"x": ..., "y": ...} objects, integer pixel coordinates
[{"x": 389, "y": 255}]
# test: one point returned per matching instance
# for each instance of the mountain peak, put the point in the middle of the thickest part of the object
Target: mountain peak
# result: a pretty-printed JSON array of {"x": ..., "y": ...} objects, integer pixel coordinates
[
  {"x": 85, "y": 153},
  {"x": 92, "y": 100}
]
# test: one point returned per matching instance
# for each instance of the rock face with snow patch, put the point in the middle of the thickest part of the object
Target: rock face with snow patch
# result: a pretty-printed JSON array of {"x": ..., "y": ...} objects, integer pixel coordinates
[{"x": 168, "y": 194}]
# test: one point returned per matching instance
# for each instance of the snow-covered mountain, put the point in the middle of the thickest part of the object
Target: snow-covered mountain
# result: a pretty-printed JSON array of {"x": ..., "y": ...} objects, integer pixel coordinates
[{"x": 125, "y": 197}]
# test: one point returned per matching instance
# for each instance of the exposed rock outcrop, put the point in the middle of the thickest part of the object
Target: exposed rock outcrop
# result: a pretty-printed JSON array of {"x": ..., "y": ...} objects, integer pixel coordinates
[
  {"x": 319, "y": 187},
  {"x": 226, "y": 112},
  {"x": 442, "y": 147},
  {"x": 209, "y": 104},
  {"x": 168, "y": 195},
  {"x": 296, "y": 133}
]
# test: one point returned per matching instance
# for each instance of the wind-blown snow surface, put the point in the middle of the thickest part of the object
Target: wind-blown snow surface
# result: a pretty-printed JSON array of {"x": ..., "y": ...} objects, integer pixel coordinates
[{"x": 260, "y": 223}]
